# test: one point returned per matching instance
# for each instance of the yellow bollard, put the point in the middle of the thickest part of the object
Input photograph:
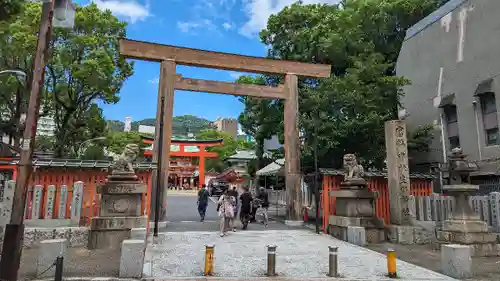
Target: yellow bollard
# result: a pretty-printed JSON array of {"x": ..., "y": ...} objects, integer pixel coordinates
[
  {"x": 209, "y": 260},
  {"x": 391, "y": 264}
]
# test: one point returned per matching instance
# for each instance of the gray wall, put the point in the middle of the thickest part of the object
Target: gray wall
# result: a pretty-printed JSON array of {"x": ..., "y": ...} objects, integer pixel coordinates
[{"x": 429, "y": 49}]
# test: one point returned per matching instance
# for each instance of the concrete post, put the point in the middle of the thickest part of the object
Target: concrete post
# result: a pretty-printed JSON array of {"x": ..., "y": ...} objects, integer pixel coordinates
[{"x": 456, "y": 261}]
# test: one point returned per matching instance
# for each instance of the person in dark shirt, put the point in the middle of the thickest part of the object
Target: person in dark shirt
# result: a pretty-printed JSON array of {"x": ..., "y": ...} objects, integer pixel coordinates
[
  {"x": 246, "y": 207},
  {"x": 264, "y": 204},
  {"x": 202, "y": 202}
]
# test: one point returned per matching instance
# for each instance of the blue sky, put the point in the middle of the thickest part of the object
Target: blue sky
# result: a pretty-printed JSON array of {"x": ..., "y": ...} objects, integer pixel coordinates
[{"x": 218, "y": 25}]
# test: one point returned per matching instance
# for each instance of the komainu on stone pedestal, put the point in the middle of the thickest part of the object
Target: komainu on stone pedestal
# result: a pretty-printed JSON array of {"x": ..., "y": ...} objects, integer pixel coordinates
[
  {"x": 353, "y": 173},
  {"x": 355, "y": 204},
  {"x": 121, "y": 199}
]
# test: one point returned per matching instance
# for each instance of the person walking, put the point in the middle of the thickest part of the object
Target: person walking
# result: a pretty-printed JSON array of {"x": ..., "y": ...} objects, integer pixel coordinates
[
  {"x": 202, "y": 202},
  {"x": 225, "y": 206},
  {"x": 264, "y": 205},
  {"x": 246, "y": 207},
  {"x": 234, "y": 193}
]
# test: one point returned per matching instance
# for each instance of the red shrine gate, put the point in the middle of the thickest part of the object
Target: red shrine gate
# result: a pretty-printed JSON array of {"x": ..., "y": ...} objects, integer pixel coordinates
[{"x": 187, "y": 149}]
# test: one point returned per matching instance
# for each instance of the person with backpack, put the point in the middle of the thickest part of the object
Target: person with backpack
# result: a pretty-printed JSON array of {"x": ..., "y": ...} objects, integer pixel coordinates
[
  {"x": 246, "y": 207},
  {"x": 202, "y": 202},
  {"x": 225, "y": 206}
]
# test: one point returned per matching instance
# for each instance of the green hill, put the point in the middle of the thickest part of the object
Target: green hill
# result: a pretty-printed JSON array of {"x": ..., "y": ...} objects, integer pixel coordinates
[{"x": 181, "y": 126}]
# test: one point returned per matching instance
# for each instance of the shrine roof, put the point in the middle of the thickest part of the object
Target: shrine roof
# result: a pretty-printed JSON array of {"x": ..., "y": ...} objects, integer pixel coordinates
[{"x": 76, "y": 163}]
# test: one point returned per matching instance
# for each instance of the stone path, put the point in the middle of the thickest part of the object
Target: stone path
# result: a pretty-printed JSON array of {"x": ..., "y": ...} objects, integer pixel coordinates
[{"x": 300, "y": 254}]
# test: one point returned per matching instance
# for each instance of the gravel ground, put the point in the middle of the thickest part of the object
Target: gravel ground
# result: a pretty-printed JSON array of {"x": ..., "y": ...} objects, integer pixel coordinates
[
  {"x": 484, "y": 268},
  {"x": 78, "y": 262},
  {"x": 300, "y": 254}
]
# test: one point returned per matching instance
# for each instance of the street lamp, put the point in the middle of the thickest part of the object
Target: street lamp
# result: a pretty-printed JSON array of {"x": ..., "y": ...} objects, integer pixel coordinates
[
  {"x": 19, "y": 73},
  {"x": 64, "y": 14},
  {"x": 14, "y": 230},
  {"x": 87, "y": 141}
]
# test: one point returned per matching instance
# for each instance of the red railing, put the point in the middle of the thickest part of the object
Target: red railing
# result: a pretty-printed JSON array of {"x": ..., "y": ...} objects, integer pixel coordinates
[{"x": 418, "y": 187}]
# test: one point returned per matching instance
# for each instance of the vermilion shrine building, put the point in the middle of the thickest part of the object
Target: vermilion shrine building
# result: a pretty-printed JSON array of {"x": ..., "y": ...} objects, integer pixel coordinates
[{"x": 182, "y": 153}]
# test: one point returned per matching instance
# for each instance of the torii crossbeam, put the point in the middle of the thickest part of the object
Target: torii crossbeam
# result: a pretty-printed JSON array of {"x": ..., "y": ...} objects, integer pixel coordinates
[{"x": 171, "y": 56}]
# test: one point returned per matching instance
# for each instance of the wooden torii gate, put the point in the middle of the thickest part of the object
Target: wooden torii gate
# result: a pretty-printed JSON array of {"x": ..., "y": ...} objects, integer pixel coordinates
[{"x": 171, "y": 56}]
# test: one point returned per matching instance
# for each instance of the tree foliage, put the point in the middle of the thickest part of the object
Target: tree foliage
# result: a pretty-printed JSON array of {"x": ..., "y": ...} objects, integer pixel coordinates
[
  {"x": 181, "y": 125},
  {"x": 10, "y": 8},
  {"x": 229, "y": 148},
  {"x": 116, "y": 141},
  {"x": 84, "y": 67},
  {"x": 344, "y": 113}
]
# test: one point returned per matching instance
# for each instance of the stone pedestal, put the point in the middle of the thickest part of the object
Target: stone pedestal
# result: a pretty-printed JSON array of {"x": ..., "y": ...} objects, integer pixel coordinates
[
  {"x": 120, "y": 211},
  {"x": 465, "y": 226},
  {"x": 356, "y": 208}
]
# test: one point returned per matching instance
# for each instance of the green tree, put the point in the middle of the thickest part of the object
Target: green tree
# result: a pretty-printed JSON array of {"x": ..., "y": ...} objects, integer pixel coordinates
[
  {"x": 9, "y": 8},
  {"x": 229, "y": 148},
  {"x": 346, "y": 112},
  {"x": 18, "y": 37},
  {"x": 84, "y": 67},
  {"x": 116, "y": 141}
]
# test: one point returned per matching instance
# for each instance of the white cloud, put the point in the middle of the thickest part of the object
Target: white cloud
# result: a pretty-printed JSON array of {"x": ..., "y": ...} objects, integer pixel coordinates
[
  {"x": 227, "y": 26},
  {"x": 258, "y": 11},
  {"x": 154, "y": 80},
  {"x": 128, "y": 9},
  {"x": 191, "y": 25}
]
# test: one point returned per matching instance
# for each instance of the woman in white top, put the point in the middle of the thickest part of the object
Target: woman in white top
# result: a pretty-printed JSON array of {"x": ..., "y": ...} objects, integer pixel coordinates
[{"x": 226, "y": 212}]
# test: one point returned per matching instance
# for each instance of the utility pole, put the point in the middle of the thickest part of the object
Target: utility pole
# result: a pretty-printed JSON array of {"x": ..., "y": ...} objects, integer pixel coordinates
[
  {"x": 14, "y": 231},
  {"x": 160, "y": 178},
  {"x": 316, "y": 174}
]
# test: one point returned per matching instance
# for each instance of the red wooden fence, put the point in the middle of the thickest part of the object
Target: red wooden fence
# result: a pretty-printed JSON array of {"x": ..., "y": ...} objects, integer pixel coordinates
[
  {"x": 418, "y": 187},
  {"x": 90, "y": 178}
]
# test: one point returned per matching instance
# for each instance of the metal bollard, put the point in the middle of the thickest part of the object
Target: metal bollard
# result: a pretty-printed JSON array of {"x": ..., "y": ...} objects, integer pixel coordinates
[
  {"x": 59, "y": 268},
  {"x": 332, "y": 261},
  {"x": 391, "y": 264},
  {"x": 271, "y": 260},
  {"x": 209, "y": 260}
]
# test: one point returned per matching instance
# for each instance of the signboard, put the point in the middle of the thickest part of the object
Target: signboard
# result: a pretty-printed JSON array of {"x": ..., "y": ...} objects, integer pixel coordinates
[{"x": 191, "y": 148}]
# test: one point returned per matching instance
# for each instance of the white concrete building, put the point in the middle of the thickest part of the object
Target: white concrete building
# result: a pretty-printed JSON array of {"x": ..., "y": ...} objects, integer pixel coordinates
[
  {"x": 46, "y": 126},
  {"x": 128, "y": 124}
]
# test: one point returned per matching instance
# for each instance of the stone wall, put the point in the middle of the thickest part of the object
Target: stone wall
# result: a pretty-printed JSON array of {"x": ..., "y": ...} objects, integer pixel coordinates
[{"x": 76, "y": 236}]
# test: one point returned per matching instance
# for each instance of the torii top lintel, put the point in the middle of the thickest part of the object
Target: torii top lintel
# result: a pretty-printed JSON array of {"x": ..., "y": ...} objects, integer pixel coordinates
[{"x": 201, "y": 58}]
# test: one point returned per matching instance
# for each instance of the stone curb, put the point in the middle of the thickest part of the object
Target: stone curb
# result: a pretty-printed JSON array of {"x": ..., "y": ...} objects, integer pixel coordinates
[
  {"x": 230, "y": 278},
  {"x": 214, "y": 278},
  {"x": 88, "y": 279}
]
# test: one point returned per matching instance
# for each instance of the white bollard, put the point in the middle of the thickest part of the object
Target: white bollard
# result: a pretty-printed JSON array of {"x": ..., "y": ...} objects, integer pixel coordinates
[
  {"x": 47, "y": 254},
  {"x": 132, "y": 258},
  {"x": 456, "y": 261}
]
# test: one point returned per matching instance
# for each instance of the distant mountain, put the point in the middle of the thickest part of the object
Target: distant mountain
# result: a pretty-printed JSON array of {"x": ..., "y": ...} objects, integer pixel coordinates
[{"x": 181, "y": 125}]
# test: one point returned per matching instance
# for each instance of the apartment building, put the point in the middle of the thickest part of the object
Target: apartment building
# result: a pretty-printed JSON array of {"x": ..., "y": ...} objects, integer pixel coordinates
[
  {"x": 228, "y": 125},
  {"x": 452, "y": 59}
]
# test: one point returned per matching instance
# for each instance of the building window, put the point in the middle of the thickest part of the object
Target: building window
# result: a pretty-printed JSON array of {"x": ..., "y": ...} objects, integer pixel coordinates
[
  {"x": 490, "y": 118},
  {"x": 451, "y": 116},
  {"x": 492, "y": 137},
  {"x": 454, "y": 142}
]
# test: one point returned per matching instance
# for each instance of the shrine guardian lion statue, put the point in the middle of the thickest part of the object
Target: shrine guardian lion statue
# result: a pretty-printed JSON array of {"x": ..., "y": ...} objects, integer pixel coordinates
[
  {"x": 123, "y": 163},
  {"x": 353, "y": 172}
]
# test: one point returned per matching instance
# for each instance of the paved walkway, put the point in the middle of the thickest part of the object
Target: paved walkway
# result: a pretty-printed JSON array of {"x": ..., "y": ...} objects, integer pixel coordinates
[{"x": 300, "y": 254}]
